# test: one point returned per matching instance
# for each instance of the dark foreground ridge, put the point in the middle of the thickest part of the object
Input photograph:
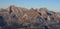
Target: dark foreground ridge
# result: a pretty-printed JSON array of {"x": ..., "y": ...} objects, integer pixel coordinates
[{"x": 21, "y": 18}]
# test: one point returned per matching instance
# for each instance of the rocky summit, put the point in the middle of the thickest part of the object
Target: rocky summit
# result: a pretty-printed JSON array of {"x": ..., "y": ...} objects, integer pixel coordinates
[{"x": 22, "y": 18}]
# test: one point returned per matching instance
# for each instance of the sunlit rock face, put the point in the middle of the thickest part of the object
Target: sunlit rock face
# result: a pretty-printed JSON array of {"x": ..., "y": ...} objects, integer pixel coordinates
[{"x": 16, "y": 18}]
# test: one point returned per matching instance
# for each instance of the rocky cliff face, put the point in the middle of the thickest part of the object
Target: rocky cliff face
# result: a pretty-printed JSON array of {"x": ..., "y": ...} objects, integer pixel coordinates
[{"x": 16, "y": 18}]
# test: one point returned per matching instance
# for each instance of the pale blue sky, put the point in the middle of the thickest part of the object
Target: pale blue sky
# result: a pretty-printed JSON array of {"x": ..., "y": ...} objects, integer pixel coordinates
[{"x": 53, "y": 5}]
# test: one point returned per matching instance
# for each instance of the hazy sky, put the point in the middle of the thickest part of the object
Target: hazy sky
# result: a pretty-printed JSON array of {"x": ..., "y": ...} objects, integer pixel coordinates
[{"x": 53, "y": 5}]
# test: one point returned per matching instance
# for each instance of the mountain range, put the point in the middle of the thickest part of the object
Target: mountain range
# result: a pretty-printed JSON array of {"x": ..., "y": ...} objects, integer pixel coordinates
[{"x": 17, "y": 18}]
